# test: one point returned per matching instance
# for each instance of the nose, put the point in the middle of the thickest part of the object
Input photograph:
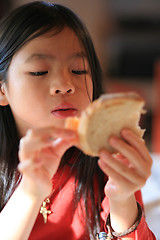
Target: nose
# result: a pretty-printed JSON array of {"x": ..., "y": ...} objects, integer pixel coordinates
[
  {"x": 62, "y": 85},
  {"x": 68, "y": 90}
]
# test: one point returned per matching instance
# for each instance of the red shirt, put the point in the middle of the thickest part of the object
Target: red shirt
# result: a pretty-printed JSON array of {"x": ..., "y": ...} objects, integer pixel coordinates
[{"x": 67, "y": 223}]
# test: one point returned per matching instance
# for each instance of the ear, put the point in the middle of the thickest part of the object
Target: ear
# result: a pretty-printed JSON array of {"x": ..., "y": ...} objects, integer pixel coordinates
[{"x": 3, "y": 98}]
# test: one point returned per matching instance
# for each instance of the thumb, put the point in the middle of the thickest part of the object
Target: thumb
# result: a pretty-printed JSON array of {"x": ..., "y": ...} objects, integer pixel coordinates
[{"x": 60, "y": 145}]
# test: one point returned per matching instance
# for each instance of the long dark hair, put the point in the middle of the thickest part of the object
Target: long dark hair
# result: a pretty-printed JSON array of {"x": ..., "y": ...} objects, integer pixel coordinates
[{"x": 19, "y": 27}]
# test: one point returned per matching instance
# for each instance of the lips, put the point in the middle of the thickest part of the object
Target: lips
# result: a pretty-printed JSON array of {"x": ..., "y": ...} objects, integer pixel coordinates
[{"x": 64, "y": 110}]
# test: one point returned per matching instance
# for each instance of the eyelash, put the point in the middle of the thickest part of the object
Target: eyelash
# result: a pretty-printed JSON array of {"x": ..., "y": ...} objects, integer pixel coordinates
[
  {"x": 38, "y": 74},
  {"x": 79, "y": 72}
]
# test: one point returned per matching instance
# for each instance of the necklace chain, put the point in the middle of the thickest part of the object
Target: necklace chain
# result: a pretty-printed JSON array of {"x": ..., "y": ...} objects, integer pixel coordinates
[{"x": 43, "y": 210}]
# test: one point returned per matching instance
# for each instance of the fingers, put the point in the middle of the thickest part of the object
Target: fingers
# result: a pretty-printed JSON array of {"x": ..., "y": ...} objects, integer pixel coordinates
[
  {"x": 29, "y": 165},
  {"x": 119, "y": 182},
  {"x": 25, "y": 165},
  {"x": 120, "y": 171},
  {"x": 136, "y": 153},
  {"x": 137, "y": 143},
  {"x": 40, "y": 153},
  {"x": 38, "y": 139},
  {"x": 131, "y": 167}
]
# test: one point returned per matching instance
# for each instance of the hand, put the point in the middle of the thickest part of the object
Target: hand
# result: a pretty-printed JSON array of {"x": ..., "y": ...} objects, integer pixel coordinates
[
  {"x": 40, "y": 153},
  {"x": 129, "y": 170}
]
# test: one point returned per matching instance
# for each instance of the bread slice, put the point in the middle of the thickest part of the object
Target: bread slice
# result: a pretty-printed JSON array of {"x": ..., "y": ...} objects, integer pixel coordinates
[{"x": 107, "y": 116}]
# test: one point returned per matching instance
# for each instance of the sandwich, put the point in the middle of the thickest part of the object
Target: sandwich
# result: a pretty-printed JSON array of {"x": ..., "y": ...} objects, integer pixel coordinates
[{"x": 107, "y": 116}]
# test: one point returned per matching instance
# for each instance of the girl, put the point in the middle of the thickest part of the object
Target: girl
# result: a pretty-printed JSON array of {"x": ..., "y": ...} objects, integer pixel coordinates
[{"x": 49, "y": 188}]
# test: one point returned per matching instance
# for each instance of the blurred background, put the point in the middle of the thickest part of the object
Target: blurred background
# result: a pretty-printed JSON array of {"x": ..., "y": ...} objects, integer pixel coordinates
[{"x": 126, "y": 35}]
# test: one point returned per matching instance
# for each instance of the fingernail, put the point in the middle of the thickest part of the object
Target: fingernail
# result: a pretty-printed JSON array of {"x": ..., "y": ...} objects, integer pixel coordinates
[
  {"x": 125, "y": 131},
  {"x": 104, "y": 154},
  {"x": 70, "y": 133},
  {"x": 113, "y": 140},
  {"x": 48, "y": 139}
]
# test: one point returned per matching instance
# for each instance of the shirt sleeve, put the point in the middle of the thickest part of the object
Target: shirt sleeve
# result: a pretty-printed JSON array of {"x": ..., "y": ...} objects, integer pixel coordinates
[{"x": 142, "y": 232}]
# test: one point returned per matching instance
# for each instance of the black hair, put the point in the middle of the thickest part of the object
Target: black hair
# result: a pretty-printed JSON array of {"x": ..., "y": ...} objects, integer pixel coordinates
[{"x": 19, "y": 27}]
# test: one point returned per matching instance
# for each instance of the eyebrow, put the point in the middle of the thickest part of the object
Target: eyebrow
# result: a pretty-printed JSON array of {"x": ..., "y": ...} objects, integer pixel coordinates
[
  {"x": 39, "y": 56},
  {"x": 78, "y": 55},
  {"x": 50, "y": 57}
]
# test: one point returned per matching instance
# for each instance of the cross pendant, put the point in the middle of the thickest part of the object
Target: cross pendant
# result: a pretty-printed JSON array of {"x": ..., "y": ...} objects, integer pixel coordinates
[{"x": 44, "y": 211}]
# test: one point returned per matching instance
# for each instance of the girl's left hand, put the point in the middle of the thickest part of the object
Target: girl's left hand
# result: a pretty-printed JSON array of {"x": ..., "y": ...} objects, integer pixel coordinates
[{"x": 128, "y": 170}]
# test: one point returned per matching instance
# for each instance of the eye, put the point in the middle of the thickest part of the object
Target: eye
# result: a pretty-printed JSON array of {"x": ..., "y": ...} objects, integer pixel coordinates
[
  {"x": 37, "y": 74},
  {"x": 79, "y": 72}
]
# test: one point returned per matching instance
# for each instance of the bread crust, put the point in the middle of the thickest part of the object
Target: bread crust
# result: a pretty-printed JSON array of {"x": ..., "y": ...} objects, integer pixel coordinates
[{"x": 107, "y": 116}]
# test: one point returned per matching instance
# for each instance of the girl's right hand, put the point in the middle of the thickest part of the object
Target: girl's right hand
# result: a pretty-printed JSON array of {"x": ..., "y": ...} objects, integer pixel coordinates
[{"x": 40, "y": 153}]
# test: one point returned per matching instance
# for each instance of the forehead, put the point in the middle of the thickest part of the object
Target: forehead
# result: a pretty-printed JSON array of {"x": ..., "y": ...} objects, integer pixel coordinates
[{"x": 65, "y": 41}]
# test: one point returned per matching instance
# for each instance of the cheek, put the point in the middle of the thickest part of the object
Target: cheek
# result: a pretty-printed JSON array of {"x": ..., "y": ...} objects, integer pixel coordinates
[
  {"x": 89, "y": 87},
  {"x": 87, "y": 93},
  {"x": 20, "y": 95}
]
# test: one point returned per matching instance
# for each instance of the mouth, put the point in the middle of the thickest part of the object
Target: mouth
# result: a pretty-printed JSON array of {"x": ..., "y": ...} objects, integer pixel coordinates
[{"x": 64, "y": 110}]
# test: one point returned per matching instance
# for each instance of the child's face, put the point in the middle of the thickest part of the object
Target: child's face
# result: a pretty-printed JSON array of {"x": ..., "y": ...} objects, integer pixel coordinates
[{"x": 46, "y": 81}]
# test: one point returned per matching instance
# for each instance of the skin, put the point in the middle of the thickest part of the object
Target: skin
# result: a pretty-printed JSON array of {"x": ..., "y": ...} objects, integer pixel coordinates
[
  {"x": 39, "y": 95},
  {"x": 128, "y": 172},
  {"x": 44, "y": 139}
]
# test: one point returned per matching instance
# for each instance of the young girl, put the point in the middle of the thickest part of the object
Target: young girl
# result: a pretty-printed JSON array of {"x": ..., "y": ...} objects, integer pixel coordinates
[{"x": 49, "y": 188}]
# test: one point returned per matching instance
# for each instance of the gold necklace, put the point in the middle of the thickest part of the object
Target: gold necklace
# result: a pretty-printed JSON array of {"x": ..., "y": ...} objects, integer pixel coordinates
[{"x": 44, "y": 211}]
